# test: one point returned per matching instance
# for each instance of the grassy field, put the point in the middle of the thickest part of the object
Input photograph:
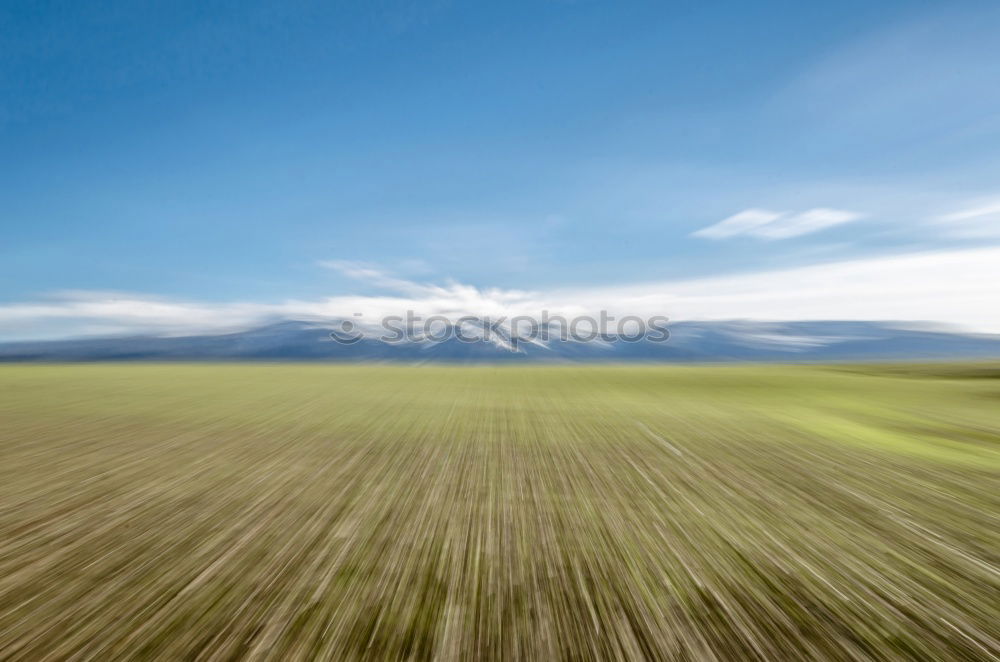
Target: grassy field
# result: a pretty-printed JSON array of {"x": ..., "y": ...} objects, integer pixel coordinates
[{"x": 344, "y": 512}]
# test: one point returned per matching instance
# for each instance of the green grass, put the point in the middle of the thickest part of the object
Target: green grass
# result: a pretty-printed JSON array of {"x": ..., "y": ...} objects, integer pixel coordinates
[{"x": 362, "y": 512}]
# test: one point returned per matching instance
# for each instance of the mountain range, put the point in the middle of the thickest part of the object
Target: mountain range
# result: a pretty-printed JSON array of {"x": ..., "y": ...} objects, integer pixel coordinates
[{"x": 294, "y": 340}]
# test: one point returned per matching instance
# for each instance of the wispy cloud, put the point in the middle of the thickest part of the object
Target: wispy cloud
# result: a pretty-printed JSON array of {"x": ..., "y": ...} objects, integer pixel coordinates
[
  {"x": 374, "y": 275},
  {"x": 911, "y": 87},
  {"x": 745, "y": 222},
  {"x": 960, "y": 287},
  {"x": 980, "y": 221},
  {"x": 767, "y": 224}
]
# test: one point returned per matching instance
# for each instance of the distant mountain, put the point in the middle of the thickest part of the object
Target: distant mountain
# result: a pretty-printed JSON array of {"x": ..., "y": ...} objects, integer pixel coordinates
[{"x": 689, "y": 342}]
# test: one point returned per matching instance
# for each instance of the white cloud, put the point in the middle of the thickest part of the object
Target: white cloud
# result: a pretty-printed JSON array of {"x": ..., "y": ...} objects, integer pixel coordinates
[
  {"x": 766, "y": 224},
  {"x": 981, "y": 221},
  {"x": 374, "y": 275},
  {"x": 745, "y": 222},
  {"x": 960, "y": 287}
]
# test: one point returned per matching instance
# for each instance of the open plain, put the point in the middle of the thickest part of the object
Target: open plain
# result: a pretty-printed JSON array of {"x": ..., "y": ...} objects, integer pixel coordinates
[{"x": 518, "y": 513}]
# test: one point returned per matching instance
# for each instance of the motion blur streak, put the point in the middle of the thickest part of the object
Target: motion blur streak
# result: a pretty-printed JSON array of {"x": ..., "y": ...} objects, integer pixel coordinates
[{"x": 336, "y": 512}]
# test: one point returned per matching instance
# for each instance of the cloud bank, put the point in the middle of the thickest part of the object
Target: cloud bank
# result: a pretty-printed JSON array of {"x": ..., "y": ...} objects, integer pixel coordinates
[{"x": 959, "y": 287}]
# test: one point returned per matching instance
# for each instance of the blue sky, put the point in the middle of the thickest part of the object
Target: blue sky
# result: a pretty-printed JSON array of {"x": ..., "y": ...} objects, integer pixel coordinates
[{"x": 252, "y": 153}]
